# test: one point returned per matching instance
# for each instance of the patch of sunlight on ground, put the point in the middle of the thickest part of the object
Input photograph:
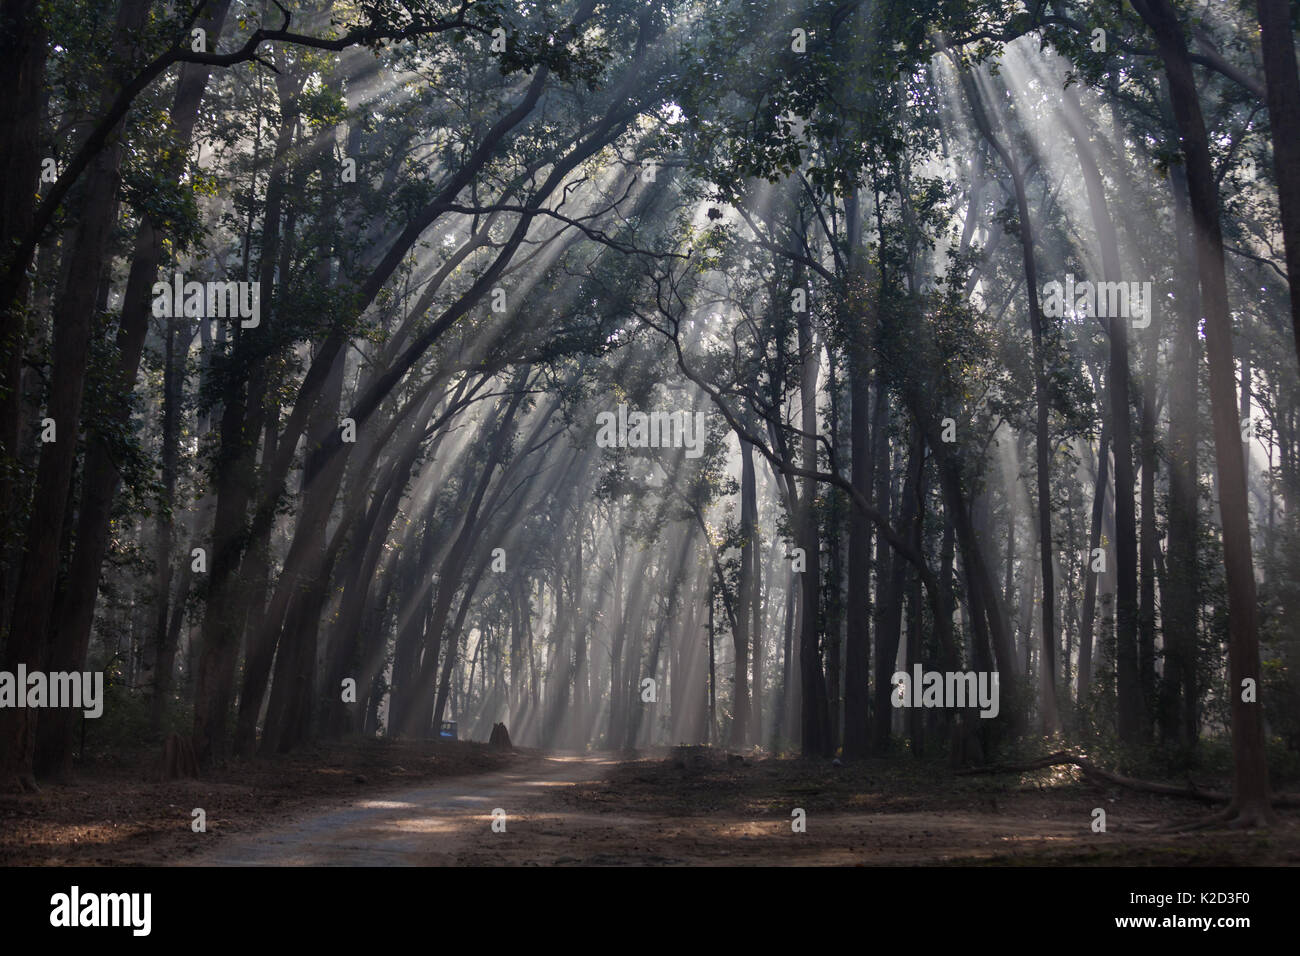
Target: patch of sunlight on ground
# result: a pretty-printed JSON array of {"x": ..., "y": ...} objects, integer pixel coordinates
[
  {"x": 1052, "y": 777},
  {"x": 427, "y": 824},
  {"x": 554, "y": 783}
]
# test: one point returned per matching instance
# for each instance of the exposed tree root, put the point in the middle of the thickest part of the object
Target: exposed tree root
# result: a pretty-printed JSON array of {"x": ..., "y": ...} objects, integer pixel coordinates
[
  {"x": 1251, "y": 817},
  {"x": 19, "y": 783},
  {"x": 1204, "y": 823},
  {"x": 1095, "y": 773},
  {"x": 1255, "y": 816}
]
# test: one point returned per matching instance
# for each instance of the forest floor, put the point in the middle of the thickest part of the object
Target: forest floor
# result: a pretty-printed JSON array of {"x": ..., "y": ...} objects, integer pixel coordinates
[
  {"x": 115, "y": 812},
  {"x": 424, "y": 803}
]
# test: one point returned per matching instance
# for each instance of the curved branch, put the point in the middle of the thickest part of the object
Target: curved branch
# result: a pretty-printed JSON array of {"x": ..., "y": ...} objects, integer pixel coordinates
[{"x": 178, "y": 53}]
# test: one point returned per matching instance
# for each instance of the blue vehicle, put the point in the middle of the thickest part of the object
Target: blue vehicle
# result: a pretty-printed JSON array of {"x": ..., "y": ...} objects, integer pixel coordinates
[{"x": 448, "y": 731}]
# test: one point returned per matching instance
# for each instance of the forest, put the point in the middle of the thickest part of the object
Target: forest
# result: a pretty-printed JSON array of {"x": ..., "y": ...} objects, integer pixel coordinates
[{"x": 679, "y": 391}]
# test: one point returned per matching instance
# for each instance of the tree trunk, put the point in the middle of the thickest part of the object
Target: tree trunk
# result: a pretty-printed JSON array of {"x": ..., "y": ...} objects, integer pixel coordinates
[
  {"x": 73, "y": 320},
  {"x": 890, "y": 600},
  {"x": 1277, "y": 43},
  {"x": 1042, "y": 437},
  {"x": 744, "y": 589},
  {"x": 75, "y": 615},
  {"x": 1086, "y": 626},
  {"x": 1179, "y": 611},
  {"x": 1250, "y": 801},
  {"x": 24, "y": 46},
  {"x": 243, "y": 413},
  {"x": 915, "y": 650},
  {"x": 1146, "y": 622},
  {"x": 814, "y": 722},
  {"x": 857, "y": 652},
  {"x": 1126, "y": 549},
  {"x": 418, "y": 720}
]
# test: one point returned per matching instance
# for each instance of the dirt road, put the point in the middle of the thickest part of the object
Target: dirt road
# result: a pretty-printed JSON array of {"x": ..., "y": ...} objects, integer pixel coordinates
[
  {"x": 405, "y": 803},
  {"x": 423, "y": 826},
  {"x": 594, "y": 810}
]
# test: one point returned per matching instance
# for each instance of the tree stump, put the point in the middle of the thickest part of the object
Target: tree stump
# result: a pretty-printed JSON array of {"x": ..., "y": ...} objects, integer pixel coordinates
[
  {"x": 178, "y": 759},
  {"x": 691, "y": 757},
  {"x": 500, "y": 739}
]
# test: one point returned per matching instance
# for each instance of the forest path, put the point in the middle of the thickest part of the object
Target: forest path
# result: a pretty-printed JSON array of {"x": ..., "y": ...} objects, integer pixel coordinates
[
  {"x": 607, "y": 810},
  {"x": 421, "y": 826}
]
